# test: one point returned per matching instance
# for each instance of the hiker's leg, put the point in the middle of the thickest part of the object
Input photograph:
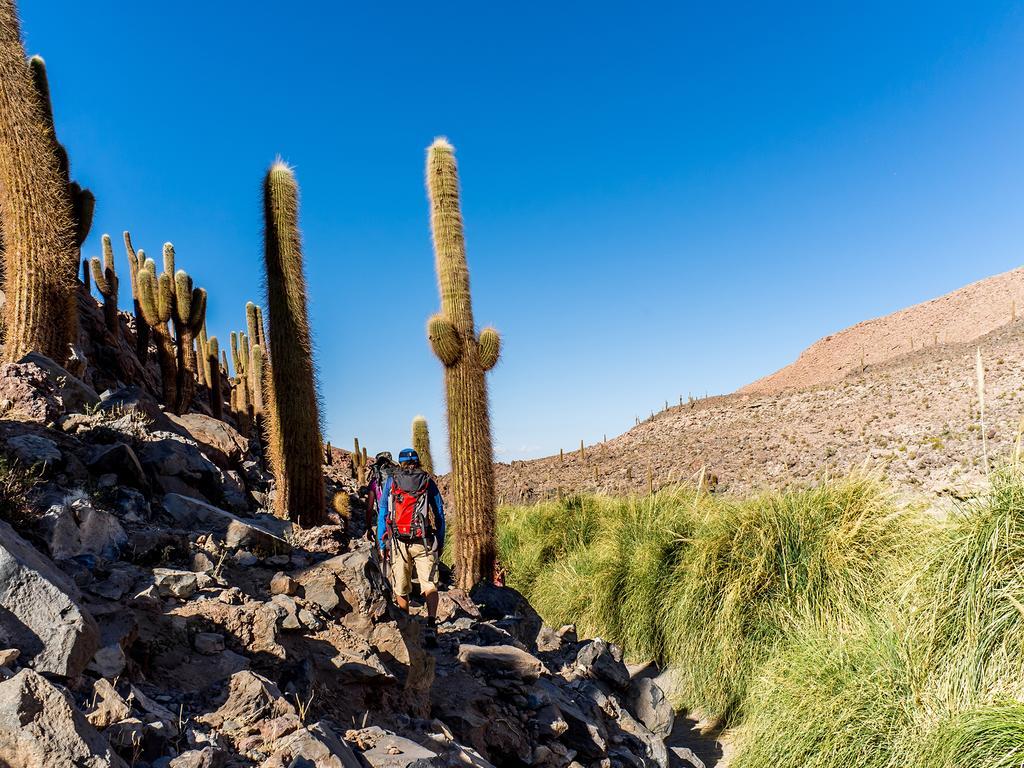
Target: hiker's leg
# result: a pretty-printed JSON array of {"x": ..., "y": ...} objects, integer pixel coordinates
[
  {"x": 401, "y": 574},
  {"x": 431, "y": 599}
]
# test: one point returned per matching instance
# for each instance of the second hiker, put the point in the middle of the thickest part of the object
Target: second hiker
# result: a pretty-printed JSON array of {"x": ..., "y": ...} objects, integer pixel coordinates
[{"x": 410, "y": 533}]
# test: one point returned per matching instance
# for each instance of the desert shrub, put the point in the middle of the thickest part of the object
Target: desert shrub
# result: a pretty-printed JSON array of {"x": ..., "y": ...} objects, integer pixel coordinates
[{"x": 826, "y": 554}]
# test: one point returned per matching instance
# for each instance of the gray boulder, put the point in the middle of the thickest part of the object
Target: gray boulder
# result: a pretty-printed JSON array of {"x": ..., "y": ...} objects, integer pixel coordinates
[
  {"x": 34, "y": 450},
  {"x": 238, "y": 532},
  {"x": 40, "y": 726},
  {"x": 75, "y": 394},
  {"x": 42, "y": 615},
  {"x": 603, "y": 660},
  {"x": 648, "y": 703},
  {"x": 503, "y": 660}
]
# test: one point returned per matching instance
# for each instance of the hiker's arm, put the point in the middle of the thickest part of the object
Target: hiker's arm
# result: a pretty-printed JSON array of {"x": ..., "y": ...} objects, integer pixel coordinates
[
  {"x": 439, "y": 506},
  {"x": 382, "y": 513}
]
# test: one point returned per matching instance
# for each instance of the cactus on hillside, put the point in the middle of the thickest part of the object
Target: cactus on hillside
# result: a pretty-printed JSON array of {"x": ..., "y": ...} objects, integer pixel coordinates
[
  {"x": 292, "y": 406},
  {"x": 466, "y": 357},
  {"x": 421, "y": 443},
  {"x": 359, "y": 463},
  {"x": 154, "y": 297},
  {"x": 172, "y": 298},
  {"x": 41, "y": 260},
  {"x": 105, "y": 277},
  {"x": 135, "y": 262},
  {"x": 187, "y": 316},
  {"x": 213, "y": 378}
]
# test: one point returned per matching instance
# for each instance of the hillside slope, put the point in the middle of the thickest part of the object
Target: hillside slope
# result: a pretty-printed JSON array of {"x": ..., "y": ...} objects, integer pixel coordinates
[
  {"x": 961, "y": 316},
  {"x": 915, "y": 417}
]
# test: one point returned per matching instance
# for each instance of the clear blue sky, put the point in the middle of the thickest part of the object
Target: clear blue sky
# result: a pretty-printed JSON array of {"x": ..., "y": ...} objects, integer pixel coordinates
[{"x": 659, "y": 197}]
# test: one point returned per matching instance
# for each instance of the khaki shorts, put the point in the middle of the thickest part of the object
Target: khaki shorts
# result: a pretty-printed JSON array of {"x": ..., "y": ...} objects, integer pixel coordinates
[{"x": 405, "y": 557}]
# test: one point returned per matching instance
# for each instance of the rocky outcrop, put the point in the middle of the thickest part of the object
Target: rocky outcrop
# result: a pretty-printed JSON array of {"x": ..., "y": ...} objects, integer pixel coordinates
[
  {"x": 42, "y": 614},
  {"x": 41, "y": 726}
]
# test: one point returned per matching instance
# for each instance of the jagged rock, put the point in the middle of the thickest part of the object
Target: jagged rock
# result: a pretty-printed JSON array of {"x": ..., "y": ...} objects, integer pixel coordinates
[
  {"x": 687, "y": 757},
  {"x": 42, "y": 615},
  {"x": 40, "y": 726},
  {"x": 75, "y": 394},
  {"x": 174, "y": 583},
  {"x": 218, "y": 439},
  {"x": 168, "y": 455},
  {"x": 315, "y": 746},
  {"x": 109, "y": 661},
  {"x": 27, "y": 395},
  {"x": 383, "y": 749},
  {"x": 282, "y": 584},
  {"x": 208, "y": 643},
  {"x": 354, "y": 578},
  {"x": 34, "y": 450},
  {"x": 208, "y": 757},
  {"x": 75, "y": 527},
  {"x": 505, "y": 660},
  {"x": 648, "y": 703},
  {"x": 192, "y": 513},
  {"x": 287, "y": 611},
  {"x": 603, "y": 660},
  {"x": 509, "y": 610},
  {"x": 251, "y": 698},
  {"x": 109, "y": 707},
  {"x": 8, "y": 656},
  {"x": 119, "y": 459}
]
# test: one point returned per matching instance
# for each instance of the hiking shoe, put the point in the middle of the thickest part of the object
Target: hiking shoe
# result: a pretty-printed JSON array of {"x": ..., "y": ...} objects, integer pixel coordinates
[{"x": 430, "y": 636}]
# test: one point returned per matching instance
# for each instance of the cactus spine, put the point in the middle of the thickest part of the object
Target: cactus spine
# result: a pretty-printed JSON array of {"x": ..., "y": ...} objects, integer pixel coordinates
[
  {"x": 40, "y": 256},
  {"x": 421, "y": 443},
  {"x": 105, "y": 277},
  {"x": 293, "y": 412},
  {"x": 466, "y": 357}
]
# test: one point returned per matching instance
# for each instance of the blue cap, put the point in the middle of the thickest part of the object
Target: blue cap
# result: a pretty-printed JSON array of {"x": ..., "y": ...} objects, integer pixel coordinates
[{"x": 408, "y": 454}]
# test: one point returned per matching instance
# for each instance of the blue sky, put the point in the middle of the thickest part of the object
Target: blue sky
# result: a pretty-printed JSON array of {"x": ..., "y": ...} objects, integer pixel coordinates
[{"x": 660, "y": 198}]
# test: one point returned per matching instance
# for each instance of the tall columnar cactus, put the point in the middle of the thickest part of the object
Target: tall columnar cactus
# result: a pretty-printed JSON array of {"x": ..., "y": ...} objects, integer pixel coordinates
[
  {"x": 293, "y": 412},
  {"x": 40, "y": 253},
  {"x": 188, "y": 314},
  {"x": 256, "y": 357},
  {"x": 81, "y": 200},
  {"x": 466, "y": 357},
  {"x": 136, "y": 262},
  {"x": 213, "y": 377},
  {"x": 421, "y": 443},
  {"x": 105, "y": 277},
  {"x": 154, "y": 297}
]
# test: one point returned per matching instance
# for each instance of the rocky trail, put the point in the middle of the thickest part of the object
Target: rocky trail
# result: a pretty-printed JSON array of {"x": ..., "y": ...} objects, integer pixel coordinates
[{"x": 152, "y": 614}]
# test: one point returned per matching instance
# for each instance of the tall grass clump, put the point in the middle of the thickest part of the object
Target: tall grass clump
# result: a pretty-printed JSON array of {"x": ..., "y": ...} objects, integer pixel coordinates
[
  {"x": 833, "y": 699},
  {"x": 828, "y": 553}
]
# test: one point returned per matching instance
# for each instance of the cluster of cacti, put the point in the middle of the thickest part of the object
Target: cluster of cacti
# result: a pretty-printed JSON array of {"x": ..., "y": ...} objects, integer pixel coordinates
[
  {"x": 105, "y": 277},
  {"x": 466, "y": 357},
  {"x": 293, "y": 420},
  {"x": 360, "y": 463},
  {"x": 40, "y": 233},
  {"x": 171, "y": 298},
  {"x": 421, "y": 443}
]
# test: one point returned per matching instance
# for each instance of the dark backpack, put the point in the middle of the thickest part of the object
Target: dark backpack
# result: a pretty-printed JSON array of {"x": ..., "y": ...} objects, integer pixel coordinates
[{"x": 409, "y": 508}]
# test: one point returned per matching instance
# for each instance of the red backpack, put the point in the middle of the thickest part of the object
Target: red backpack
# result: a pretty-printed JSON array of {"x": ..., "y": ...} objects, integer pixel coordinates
[{"x": 408, "y": 509}]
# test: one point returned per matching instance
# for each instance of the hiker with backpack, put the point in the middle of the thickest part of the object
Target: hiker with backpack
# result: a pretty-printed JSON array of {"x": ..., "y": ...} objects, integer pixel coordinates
[
  {"x": 410, "y": 534},
  {"x": 380, "y": 470}
]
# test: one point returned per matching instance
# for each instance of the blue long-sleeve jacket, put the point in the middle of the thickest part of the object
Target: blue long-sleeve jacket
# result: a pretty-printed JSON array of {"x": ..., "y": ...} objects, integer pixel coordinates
[{"x": 435, "y": 501}]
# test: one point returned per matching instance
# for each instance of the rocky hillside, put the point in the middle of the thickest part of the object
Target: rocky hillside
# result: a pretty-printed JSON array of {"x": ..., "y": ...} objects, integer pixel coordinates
[
  {"x": 961, "y": 316},
  {"x": 154, "y": 615},
  {"x": 914, "y": 417}
]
